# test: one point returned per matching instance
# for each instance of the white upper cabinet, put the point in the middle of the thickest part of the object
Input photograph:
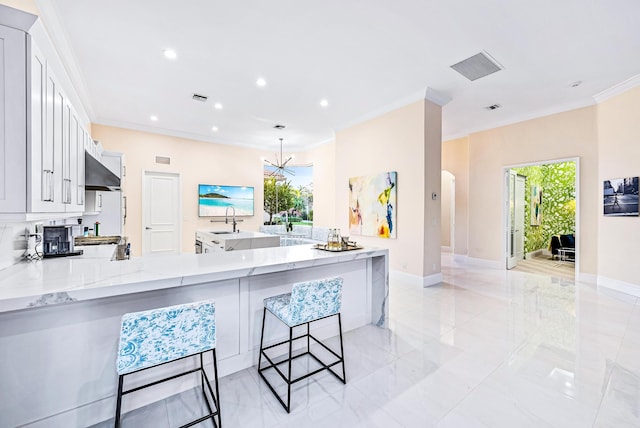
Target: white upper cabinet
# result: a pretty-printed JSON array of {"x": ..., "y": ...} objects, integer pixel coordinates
[
  {"x": 42, "y": 138},
  {"x": 13, "y": 120}
]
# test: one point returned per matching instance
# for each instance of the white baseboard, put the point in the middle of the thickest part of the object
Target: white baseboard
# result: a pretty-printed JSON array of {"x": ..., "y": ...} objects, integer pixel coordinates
[
  {"x": 586, "y": 277},
  {"x": 622, "y": 286},
  {"x": 407, "y": 278},
  {"x": 490, "y": 264},
  {"x": 434, "y": 279},
  {"x": 460, "y": 258},
  {"x": 533, "y": 254},
  {"x": 416, "y": 280}
]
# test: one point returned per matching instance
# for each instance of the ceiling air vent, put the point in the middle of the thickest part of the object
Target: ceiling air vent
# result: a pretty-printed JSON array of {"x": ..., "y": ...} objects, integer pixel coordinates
[
  {"x": 201, "y": 98},
  {"x": 493, "y": 107},
  {"x": 477, "y": 66}
]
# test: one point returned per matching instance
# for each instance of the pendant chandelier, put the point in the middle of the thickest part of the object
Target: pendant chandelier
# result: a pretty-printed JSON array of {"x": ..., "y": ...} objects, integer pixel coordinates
[{"x": 280, "y": 166}]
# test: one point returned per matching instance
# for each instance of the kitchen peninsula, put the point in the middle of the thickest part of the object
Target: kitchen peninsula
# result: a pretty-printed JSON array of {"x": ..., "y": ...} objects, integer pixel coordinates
[{"x": 60, "y": 319}]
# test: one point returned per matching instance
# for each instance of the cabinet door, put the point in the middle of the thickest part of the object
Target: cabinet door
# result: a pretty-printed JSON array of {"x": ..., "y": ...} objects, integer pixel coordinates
[
  {"x": 58, "y": 143},
  {"x": 66, "y": 156},
  {"x": 74, "y": 168},
  {"x": 40, "y": 175},
  {"x": 77, "y": 162},
  {"x": 13, "y": 120}
]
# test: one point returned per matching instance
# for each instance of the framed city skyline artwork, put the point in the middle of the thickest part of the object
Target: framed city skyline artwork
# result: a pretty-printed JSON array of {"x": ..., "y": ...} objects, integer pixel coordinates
[{"x": 620, "y": 197}]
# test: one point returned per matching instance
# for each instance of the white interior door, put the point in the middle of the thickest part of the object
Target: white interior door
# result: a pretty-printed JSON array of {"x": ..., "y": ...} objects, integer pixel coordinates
[
  {"x": 510, "y": 184},
  {"x": 519, "y": 217},
  {"x": 161, "y": 222},
  {"x": 515, "y": 185}
]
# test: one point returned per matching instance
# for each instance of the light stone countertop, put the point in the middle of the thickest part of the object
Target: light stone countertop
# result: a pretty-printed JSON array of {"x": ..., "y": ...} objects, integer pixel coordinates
[{"x": 91, "y": 276}]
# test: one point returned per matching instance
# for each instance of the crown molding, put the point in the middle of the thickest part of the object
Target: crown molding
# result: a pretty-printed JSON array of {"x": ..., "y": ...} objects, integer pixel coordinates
[
  {"x": 58, "y": 36},
  {"x": 617, "y": 89},
  {"x": 437, "y": 97}
]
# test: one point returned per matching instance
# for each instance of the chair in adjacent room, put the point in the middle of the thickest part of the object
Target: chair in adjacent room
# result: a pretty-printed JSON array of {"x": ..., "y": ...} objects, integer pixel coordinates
[
  {"x": 156, "y": 337},
  {"x": 308, "y": 302}
]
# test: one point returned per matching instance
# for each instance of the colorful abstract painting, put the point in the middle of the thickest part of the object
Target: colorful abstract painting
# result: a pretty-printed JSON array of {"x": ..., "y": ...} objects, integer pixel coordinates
[
  {"x": 536, "y": 205},
  {"x": 372, "y": 205}
]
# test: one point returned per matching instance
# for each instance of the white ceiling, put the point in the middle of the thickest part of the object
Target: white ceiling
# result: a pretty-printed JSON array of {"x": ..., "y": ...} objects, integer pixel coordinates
[{"x": 364, "y": 57}]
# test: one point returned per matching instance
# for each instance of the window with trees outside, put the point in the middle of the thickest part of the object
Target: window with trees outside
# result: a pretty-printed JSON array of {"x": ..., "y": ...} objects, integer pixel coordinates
[{"x": 288, "y": 196}]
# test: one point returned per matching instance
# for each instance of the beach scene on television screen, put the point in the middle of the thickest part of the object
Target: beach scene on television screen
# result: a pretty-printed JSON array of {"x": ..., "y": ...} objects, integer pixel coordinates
[{"x": 215, "y": 200}]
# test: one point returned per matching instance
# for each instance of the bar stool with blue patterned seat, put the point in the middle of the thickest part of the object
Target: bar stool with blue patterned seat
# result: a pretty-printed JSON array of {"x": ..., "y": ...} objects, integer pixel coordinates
[
  {"x": 159, "y": 336},
  {"x": 308, "y": 302}
]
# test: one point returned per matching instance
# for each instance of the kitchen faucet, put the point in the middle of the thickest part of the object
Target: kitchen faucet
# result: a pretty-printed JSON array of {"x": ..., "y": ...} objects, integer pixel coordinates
[{"x": 226, "y": 217}]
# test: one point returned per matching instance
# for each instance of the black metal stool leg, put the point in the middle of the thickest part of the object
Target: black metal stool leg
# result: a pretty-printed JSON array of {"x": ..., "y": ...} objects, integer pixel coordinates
[
  {"x": 344, "y": 375},
  {"x": 119, "y": 401},
  {"x": 215, "y": 375},
  {"x": 264, "y": 315},
  {"x": 289, "y": 377}
]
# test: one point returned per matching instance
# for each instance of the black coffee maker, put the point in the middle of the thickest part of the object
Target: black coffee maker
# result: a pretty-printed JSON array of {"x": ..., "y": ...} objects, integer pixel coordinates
[{"x": 57, "y": 241}]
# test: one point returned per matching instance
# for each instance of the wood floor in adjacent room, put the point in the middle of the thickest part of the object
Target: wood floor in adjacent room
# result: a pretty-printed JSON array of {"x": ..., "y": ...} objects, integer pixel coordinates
[{"x": 545, "y": 265}]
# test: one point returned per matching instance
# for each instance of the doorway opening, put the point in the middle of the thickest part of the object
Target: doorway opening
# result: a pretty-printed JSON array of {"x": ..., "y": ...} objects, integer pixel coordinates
[
  {"x": 448, "y": 212},
  {"x": 541, "y": 202}
]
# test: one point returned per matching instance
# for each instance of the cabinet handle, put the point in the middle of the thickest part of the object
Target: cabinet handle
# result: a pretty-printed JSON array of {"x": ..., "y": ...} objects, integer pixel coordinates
[
  {"x": 124, "y": 203},
  {"x": 66, "y": 198},
  {"x": 147, "y": 228},
  {"x": 51, "y": 191},
  {"x": 48, "y": 186}
]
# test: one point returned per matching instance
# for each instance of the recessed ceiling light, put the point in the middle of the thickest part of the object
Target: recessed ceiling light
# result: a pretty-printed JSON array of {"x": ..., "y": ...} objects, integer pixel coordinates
[
  {"x": 214, "y": 129},
  {"x": 261, "y": 82},
  {"x": 218, "y": 106},
  {"x": 324, "y": 102},
  {"x": 170, "y": 53},
  {"x": 154, "y": 118}
]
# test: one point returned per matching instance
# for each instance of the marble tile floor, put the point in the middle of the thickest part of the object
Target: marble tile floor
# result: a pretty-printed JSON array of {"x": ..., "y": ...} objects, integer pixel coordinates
[{"x": 486, "y": 348}]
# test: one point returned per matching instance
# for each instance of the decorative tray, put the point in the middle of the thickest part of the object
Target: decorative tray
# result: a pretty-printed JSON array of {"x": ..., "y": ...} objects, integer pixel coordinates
[{"x": 349, "y": 247}]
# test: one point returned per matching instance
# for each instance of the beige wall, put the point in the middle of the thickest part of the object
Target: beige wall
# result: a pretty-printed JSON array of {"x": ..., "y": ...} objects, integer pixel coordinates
[
  {"x": 196, "y": 162},
  {"x": 391, "y": 142},
  {"x": 619, "y": 156},
  {"x": 564, "y": 135},
  {"x": 26, "y": 5},
  {"x": 432, "y": 142},
  {"x": 455, "y": 159}
]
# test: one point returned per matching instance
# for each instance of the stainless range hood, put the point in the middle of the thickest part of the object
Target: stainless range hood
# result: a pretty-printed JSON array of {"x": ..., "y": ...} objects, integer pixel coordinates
[{"x": 97, "y": 176}]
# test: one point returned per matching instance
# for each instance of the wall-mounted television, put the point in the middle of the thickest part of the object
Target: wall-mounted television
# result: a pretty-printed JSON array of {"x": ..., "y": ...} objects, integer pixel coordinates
[{"x": 213, "y": 200}]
